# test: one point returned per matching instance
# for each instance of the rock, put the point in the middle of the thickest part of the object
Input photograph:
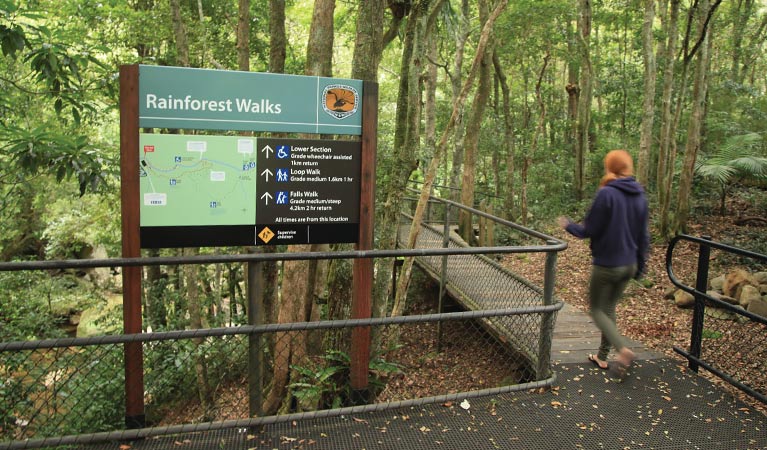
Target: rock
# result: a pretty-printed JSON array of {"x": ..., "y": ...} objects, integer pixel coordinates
[
  {"x": 683, "y": 299},
  {"x": 758, "y": 307},
  {"x": 760, "y": 277},
  {"x": 735, "y": 281},
  {"x": 668, "y": 293},
  {"x": 722, "y": 297},
  {"x": 717, "y": 283},
  {"x": 748, "y": 294},
  {"x": 100, "y": 276},
  {"x": 763, "y": 289}
]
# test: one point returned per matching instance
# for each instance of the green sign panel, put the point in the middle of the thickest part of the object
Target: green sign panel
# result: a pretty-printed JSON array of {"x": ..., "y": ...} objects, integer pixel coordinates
[
  {"x": 197, "y": 180},
  {"x": 232, "y": 190},
  {"x": 173, "y": 97}
]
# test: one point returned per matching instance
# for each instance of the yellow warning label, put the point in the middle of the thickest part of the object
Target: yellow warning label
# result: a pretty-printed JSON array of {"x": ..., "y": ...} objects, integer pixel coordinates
[{"x": 266, "y": 235}]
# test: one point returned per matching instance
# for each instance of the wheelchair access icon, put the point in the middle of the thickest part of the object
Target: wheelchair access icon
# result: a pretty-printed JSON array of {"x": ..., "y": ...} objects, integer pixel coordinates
[{"x": 283, "y": 151}]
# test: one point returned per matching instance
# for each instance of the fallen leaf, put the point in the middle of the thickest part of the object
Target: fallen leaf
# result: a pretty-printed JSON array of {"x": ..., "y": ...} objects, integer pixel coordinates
[{"x": 465, "y": 404}]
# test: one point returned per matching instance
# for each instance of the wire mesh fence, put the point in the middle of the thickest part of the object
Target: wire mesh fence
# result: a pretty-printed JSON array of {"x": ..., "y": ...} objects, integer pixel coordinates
[
  {"x": 495, "y": 337},
  {"x": 74, "y": 386}
]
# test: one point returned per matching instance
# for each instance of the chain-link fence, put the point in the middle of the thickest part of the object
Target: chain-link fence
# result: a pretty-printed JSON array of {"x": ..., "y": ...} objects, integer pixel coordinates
[
  {"x": 204, "y": 379},
  {"x": 494, "y": 337},
  {"x": 728, "y": 336}
]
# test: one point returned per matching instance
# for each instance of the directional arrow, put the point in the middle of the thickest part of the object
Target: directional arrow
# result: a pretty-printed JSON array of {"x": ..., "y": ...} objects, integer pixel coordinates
[
  {"x": 267, "y": 196},
  {"x": 266, "y": 150},
  {"x": 267, "y": 173}
]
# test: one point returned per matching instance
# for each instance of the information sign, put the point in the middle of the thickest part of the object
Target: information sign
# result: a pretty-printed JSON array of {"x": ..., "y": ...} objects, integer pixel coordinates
[
  {"x": 229, "y": 190},
  {"x": 184, "y": 98}
]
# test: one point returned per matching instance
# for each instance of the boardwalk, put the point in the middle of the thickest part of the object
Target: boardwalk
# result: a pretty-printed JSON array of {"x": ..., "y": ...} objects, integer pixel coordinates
[{"x": 660, "y": 405}]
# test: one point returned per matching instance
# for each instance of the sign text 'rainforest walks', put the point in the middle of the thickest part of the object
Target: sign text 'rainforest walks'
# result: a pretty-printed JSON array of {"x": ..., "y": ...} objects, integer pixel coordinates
[{"x": 173, "y": 97}]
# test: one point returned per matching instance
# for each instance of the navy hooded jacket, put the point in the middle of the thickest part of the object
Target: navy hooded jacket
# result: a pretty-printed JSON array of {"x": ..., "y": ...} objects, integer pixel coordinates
[{"x": 617, "y": 224}]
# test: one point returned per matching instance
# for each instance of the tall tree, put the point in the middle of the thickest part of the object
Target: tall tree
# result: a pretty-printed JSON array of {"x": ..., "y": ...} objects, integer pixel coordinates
[
  {"x": 508, "y": 140},
  {"x": 473, "y": 127},
  {"x": 583, "y": 120},
  {"x": 431, "y": 173},
  {"x": 278, "y": 41},
  {"x": 648, "y": 102},
  {"x": 695, "y": 124},
  {"x": 690, "y": 46},
  {"x": 664, "y": 173},
  {"x": 300, "y": 277},
  {"x": 243, "y": 35},
  {"x": 461, "y": 37}
]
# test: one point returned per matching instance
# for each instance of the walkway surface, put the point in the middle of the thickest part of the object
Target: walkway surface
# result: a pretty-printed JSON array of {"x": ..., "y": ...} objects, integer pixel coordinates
[{"x": 660, "y": 405}]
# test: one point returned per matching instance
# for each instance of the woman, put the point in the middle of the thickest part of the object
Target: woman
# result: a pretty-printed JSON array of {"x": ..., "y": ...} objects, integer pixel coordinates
[{"x": 617, "y": 226}]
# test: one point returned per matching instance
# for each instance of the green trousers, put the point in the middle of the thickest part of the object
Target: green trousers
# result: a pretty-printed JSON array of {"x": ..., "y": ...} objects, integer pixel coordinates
[{"x": 605, "y": 290}]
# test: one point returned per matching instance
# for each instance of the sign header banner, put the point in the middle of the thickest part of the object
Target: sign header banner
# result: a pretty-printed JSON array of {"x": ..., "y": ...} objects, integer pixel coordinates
[{"x": 176, "y": 97}]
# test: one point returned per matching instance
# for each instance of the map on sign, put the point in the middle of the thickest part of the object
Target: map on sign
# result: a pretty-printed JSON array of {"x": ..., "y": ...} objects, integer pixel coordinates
[{"x": 188, "y": 180}]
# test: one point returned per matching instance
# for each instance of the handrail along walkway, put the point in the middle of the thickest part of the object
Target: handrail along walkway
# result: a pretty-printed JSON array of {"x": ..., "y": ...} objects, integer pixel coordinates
[
  {"x": 70, "y": 359},
  {"x": 718, "y": 353}
]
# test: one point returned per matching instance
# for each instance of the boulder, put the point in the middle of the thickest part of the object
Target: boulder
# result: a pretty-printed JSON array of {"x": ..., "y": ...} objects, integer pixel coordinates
[
  {"x": 760, "y": 277},
  {"x": 668, "y": 294},
  {"x": 717, "y": 283},
  {"x": 748, "y": 294},
  {"x": 758, "y": 307},
  {"x": 683, "y": 299},
  {"x": 735, "y": 281},
  {"x": 722, "y": 297}
]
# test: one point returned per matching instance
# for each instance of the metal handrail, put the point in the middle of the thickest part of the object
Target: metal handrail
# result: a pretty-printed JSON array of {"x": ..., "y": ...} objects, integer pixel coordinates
[{"x": 693, "y": 356}]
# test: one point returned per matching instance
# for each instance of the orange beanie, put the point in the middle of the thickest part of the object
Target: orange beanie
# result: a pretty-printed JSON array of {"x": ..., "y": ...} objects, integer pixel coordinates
[{"x": 618, "y": 164}]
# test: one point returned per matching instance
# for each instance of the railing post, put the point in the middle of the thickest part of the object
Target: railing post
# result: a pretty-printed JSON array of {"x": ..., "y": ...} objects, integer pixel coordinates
[
  {"x": 696, "y": 337},
  {"x": 443, "y": 273},
  {"x": 547, "y": 321}
]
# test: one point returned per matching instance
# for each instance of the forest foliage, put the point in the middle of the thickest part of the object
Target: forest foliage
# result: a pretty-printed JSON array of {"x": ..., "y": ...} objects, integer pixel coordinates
[{"x": 558, "y": 85}]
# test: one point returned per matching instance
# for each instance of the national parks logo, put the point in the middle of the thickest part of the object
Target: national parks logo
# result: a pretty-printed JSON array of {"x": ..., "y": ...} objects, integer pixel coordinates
[{"x": 340, "y": 101}]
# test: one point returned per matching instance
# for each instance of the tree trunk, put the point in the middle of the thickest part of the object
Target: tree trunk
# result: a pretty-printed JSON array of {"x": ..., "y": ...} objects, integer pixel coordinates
[
  {"x": 368, "y": 44},
  {"x": 584, "y": 98},
  {"x": 664, "y": 148},
  {"x": 695, "y": 124},
  {"x": 507, "y": 192},
  {"x": 573, "y": 91},
  {"x": 243, "y": 35},
  {"x": 179, "y": 33},
  {"x": 404, "y": 158},
  {"x": 430, "y": 103},
  {"x": 689, "y": 54},
  {"x": 648, "y": 104},
  {"x": 289, "y": 347},
  {"x": 196, "y": 322},
  {"x": 473, "y": 128},
  {"x": 439, "y": 154},
  {"x": 299, "y": 277},
  {"x": 461, "y": 37},
  {"x": 742, "y": 14},
  {"x": 277, "y": 38}
]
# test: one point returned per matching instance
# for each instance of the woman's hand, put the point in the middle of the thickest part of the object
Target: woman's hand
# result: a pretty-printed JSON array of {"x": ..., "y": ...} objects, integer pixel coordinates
[{"x": 563, "y": 221}]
